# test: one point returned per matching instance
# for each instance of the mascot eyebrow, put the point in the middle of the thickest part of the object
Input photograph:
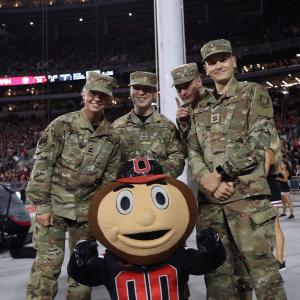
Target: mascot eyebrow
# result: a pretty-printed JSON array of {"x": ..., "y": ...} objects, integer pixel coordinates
[
  {"x": 123, "y": 186},
  {"x": 162, "y": 182},
  {"x": 130, "y": 186}
]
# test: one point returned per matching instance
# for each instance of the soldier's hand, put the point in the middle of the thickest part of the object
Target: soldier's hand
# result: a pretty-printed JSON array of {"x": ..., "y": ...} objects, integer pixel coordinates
[
  {"x": 207, "y": 240},
  {"x": 182, "y": 114},
  {"x": 84, "y": 251},
  {"x": 45, "y": 219},
  {"x": 224, "y": 191},
  {"x": 211, "y": 182}
]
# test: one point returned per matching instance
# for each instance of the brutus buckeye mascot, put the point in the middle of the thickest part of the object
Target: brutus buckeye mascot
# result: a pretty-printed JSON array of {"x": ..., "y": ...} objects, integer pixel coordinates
[{"x": 144, "y": 219}]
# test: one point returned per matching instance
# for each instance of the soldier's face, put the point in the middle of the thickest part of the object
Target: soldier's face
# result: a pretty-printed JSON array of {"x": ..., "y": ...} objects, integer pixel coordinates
[
  {"x": 95, "y": 102},
  {"x": 189, "y": 91},
  {"x": 220, "y": 67},
  {"x": 142, "y": 96}
]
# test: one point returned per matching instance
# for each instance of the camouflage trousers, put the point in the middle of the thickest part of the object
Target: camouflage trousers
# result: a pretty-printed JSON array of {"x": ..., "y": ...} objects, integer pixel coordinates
[
  {"x": 246, "y": 228},
  {"x": 50, "y": 245}
]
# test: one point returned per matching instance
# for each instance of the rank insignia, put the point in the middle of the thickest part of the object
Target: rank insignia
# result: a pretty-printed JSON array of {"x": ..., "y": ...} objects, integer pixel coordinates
[{"x": 215, "y": 118}]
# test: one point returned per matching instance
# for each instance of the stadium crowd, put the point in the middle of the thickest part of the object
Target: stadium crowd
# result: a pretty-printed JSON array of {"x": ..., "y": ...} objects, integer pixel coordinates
[
  {"x": 289, "y": 130},
  {"x": 18, "y": 139},
  {"x": 121, "y": 48}
]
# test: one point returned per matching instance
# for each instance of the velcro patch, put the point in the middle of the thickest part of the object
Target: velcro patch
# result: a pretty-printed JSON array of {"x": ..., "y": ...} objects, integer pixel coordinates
[
  {"x": 43, "y": 141},
  {"x": 264, "y": 101}
]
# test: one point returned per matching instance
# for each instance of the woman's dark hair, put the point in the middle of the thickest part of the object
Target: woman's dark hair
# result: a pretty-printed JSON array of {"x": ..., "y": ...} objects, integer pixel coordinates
[{"x": 287, "y": 165}]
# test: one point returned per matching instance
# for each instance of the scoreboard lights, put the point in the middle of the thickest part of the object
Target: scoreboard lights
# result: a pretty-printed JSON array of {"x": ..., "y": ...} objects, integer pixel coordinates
[
  {"x": 26, "y": 80},
  {"x": 74, "y": 76},
  {"x": 22, "y": 80}
]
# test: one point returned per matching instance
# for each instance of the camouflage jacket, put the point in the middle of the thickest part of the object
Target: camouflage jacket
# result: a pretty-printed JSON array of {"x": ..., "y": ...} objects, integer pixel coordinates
[
  {"x": 72, "y": 161},
  {"x": 157, "y": 138},
  {"x": 233, "y": 132}
]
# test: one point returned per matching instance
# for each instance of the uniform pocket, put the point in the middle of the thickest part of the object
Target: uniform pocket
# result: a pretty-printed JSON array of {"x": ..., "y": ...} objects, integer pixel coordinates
[{"x": 261, "y": 217}]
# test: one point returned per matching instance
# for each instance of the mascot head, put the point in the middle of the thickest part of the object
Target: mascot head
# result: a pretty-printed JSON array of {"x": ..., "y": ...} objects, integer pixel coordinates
[{"x": 145, "y": 216}]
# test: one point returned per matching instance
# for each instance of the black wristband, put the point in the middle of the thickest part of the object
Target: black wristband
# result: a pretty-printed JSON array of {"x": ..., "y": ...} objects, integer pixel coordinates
[{"x": 224, "y": 175}]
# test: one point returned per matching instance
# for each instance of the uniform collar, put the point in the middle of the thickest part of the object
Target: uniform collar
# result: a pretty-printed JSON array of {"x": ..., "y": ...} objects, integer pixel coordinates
[
  {"x": 206, "y": 96},
  {"x": 133, "y": 118},
  {"x": 103, "y": 128},
  {"x": 230, "y": 90},
  {"x": 84, "y": 122}
]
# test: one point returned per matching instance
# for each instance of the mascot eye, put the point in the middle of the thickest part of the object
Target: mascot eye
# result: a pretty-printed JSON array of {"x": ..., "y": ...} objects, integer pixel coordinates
[
  {"x": 160, "y": 197},
  {"x": 125, "y": 202}
]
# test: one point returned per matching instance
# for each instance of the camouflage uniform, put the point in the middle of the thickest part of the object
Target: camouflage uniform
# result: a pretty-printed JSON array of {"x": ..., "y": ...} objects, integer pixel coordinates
[
  {"x": 72, "y": 161},
  {"x": 157, "y": 138},
  {"x": 233, "y": 133},
  {"x": 183, "y": 74}
]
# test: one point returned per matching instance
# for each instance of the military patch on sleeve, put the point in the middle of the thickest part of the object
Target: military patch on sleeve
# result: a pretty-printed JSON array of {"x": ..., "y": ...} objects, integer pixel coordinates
[
  {"x": 43, "y": 141},
  {"x": 264, "y": 101},
  {"x": 261, "y": 102}
]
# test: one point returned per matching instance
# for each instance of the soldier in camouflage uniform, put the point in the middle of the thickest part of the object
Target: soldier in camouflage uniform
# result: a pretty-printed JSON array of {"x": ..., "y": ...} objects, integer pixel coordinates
[
  {"x": 77, "y": 153},
  {"x": 188, "y": 84},
  {"x": 230, "y": 131},
  {"x": 145, "y": 132}
]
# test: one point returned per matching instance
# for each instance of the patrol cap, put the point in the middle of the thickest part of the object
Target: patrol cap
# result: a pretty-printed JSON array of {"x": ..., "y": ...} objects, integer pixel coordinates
[
  {"x": 99, "y": 82},
  {"x": 143, "y": 78},
  {"x": 215, "y": 46},
  {"x": 184, "y": 73},
  {"x": 140, "y": 170}
]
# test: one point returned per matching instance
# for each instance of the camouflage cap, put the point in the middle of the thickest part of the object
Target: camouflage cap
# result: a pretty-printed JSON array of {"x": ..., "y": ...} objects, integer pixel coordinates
[
  {"x": 215, "y": 46},
  {"x": 184, "y": 73},
  {"x": 143, "y": 78},
  {"x": 99, "y": 82}
]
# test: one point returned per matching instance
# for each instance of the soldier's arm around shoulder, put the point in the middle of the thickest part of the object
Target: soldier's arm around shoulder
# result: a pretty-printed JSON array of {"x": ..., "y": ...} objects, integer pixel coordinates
[
  {"x": 174, "y": 164},
  {"x": 48, "y": 149},
  {"x": 249, "y": 152}
]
